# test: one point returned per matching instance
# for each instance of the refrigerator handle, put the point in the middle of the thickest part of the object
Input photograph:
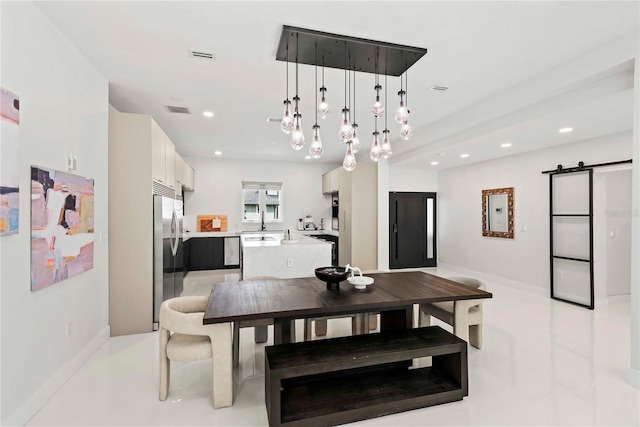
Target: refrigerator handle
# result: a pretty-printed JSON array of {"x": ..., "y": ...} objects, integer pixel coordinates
[{"x": 174, "y": 234}]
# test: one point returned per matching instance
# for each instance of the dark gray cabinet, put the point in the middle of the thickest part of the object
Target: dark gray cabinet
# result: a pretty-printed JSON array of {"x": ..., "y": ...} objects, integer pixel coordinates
[{"x": 206, "y": 253}]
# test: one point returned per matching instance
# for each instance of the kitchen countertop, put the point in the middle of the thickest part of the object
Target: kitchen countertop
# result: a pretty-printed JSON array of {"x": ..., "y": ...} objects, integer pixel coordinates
[
  {"x": 302, "y": 240},
  {"x": 189, "y": 234}
]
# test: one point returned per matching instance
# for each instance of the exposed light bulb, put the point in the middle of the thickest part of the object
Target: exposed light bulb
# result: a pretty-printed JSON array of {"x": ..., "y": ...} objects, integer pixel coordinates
[
  {"x": 378, "y": 108},
  {"x": 323, "y": 107},
  {"x": 375, "y": 147},
  {"x": 286, "y": 124},
  {"x": 402, "y": 114},
  {"x": 406, "y": 130},
  {"x": 346, "y": 130},
  {"x": 316, "y": 149},
  {"x": 355, "y": 141},
  {"x": 385, "y": 149},
  {"x": 297, "y": 136},
  {"x": 349, "y": 162}
]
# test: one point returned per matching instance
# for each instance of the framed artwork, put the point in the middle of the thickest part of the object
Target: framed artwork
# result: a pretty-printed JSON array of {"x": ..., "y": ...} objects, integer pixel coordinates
[
  {"x": 9, "y": 177},
  {"x": 61, "y": 226}
]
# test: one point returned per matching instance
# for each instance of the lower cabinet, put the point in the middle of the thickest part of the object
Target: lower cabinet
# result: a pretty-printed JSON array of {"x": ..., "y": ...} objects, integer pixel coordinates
[{"x": 208, "y": 253}]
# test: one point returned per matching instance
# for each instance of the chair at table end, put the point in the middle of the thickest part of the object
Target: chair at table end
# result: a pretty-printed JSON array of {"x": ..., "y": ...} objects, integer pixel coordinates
[
  {"x": 183, "y": 338},
  {"x": 465, "y": 315}
]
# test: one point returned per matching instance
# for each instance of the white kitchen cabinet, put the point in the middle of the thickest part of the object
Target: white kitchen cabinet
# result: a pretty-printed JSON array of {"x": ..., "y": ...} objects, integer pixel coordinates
[
  {"x": 162, "y": 156},
  {"x": 169, "y": 162},
  {"x": 158, "y": 148},
  {"x": 331, "y": 182},
  {"x": 185, "y": 175},
  {"x": 137, "y": 164},
  {"x": 358, "y": 216}
]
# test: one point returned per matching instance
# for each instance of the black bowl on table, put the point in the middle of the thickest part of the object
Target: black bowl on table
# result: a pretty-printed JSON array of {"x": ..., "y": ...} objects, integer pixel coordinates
[{"x": 332, "y": 276}]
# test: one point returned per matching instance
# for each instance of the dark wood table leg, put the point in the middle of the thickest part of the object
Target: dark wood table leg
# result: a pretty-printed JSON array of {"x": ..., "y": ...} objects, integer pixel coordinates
[
  {"x": 284, "y": 330},
  {"x": 396, "y": 320}
]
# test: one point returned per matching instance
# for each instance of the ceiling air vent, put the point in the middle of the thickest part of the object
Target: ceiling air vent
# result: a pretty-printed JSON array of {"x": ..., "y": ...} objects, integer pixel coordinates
[
  {"x": 274, "y": 119},
  {"x": 438, "y": 88},
  {"x": 177, "y": 110},
  {"x": 202, "y": 55}
]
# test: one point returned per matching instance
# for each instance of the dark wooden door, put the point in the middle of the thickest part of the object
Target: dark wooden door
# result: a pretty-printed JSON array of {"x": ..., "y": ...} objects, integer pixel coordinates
[{"x": 412, "y": 230}]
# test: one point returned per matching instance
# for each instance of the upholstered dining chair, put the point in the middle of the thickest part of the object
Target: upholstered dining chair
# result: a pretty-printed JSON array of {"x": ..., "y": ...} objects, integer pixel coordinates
[
  {"x": 183, "y": 338},
  {"x": 464, "y": 315}
]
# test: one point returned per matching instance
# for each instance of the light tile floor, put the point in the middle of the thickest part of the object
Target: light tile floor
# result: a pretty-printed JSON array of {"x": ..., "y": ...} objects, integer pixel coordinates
[{"x": 543, "y": 363}]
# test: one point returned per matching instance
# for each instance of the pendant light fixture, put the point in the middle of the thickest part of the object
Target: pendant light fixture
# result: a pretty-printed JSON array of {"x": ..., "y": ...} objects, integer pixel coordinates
[
  {"x": 312, "y": 48},
  {"x": 297, "y": 136},
  {"x": 316, "y": 149},
  {"x": 378, "y": 109},
  {"x": 406, "y": 130},
  {"x": 355, "y": 141},
  {"x": 346, "y": 130},
  {"x": 385, "y": 148},
  {"x": 349, "y": 163},
  {"x": 286, "y": 124},
  {"x": 323, "y": 107}
]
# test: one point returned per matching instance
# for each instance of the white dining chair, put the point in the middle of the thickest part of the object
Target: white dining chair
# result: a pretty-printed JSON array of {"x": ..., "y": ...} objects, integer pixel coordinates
[
  {"x": 464, "y": 315},
  {"x": 183, "y": 338}
]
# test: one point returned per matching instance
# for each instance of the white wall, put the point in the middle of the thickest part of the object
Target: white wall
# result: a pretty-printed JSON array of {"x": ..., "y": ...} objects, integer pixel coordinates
[
  {"x": 619, "y": 233},
  {"x": 219, "y": 190},
  {"x": 402, "y": 178},
  {"x": 64, "y": 109},
  {"x": 524, "y": 259}
]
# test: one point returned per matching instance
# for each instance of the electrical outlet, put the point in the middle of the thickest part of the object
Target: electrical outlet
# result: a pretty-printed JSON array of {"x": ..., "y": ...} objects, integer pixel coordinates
[
  {"x": 69, "y": 328},
  {"x": 289, "y": 262},
  {"x": 561, "y": 274}
]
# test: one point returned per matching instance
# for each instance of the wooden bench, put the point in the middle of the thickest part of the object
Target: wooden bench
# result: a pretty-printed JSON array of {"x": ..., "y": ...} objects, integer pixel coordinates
[{"x": 340, "y": 380}]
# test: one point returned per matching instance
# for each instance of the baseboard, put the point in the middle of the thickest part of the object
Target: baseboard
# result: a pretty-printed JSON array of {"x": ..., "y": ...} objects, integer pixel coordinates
[
  {"x": 29, "y": 408},
  {"x": 497, "y": 279},
  {"x": 634, "y": 377}
]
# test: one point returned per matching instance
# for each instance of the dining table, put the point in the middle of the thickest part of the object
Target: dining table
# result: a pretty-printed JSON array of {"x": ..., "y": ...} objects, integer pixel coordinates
[{"x": 393, "y": 295}]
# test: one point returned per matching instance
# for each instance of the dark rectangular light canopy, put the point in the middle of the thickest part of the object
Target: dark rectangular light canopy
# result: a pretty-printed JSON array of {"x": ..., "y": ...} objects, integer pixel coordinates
[{"x": 345, "y": 52}]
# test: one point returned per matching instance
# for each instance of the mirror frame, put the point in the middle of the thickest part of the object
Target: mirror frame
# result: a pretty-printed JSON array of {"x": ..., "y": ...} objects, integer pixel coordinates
[{"x": 509, "y": 191}]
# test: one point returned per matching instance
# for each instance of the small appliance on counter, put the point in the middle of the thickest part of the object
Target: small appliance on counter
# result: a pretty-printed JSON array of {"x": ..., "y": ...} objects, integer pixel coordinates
[
  {"x": 300, "y": 224},
  {"x": 309, "y": 224},
  {"x": 321, "y": 224}
]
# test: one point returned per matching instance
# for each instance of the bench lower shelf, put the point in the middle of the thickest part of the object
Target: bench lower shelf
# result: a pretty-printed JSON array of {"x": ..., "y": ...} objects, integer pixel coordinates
[
  {"x": 340, "y": 380},
  {"x": 350, "y": 397}
]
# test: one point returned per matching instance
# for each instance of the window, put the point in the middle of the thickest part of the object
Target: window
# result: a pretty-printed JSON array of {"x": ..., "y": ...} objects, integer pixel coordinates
[{"x": 259, "y": 197}]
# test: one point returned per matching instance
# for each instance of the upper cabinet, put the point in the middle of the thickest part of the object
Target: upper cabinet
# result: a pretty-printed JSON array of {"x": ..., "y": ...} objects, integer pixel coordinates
[
  {"x": 331, "y": 182},
  {"x": 162, "y": 156},
  {"x": 185, "y": 175}
]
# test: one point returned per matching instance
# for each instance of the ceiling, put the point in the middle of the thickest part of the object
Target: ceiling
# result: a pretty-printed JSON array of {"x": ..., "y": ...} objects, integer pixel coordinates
[{"x": 478, "y": 49}]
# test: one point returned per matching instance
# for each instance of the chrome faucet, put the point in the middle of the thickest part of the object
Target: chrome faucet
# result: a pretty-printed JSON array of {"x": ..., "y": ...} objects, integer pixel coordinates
[{"x": 262, "y": 226}]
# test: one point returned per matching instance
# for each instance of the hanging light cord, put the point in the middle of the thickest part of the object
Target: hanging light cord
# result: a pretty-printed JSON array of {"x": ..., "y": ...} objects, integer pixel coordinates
[
  {"x": 287, "y": 71},
  {"x": 354, "y": 96},
  {"x": 317, "y": 83},
  {"x": 297, "y": 98},
  {"x": 385, "y": 101}
]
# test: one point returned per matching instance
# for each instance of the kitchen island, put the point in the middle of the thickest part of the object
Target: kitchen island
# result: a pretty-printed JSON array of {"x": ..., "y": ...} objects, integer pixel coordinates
[{"x": 264, "y": 254}]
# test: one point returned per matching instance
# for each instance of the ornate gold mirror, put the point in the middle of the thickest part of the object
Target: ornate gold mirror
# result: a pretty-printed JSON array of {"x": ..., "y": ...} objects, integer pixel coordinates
[{"x": 497, "y": 212}]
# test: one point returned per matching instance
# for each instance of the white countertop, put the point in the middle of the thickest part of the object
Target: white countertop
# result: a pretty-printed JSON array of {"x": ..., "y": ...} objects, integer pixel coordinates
[
  {"x": 303, "y": 240},
  {"x": 189, "y": 234}
]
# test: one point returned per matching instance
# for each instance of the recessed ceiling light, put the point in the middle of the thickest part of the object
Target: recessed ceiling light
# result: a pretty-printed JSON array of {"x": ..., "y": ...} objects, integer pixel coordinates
[
  {"x": 464, "y": 155},
  {"x": 218, "y": 153},
  {"x": 208, "y": 113},
  {"x": 274, "y": 142},
  {"x": 307, "y": 157},
  {"x": 434, "y": 163},
  {"x": 565, "y": 130},
  {"x": 505, "y": 145}
]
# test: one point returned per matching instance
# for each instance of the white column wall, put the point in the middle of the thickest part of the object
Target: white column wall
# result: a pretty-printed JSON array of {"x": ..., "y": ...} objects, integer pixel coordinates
[{"x": 63, "y": 110}]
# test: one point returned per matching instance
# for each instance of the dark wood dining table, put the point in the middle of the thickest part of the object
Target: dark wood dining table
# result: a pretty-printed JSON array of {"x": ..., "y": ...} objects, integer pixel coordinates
[
  {"x": 284, "y": 300},
  {"x": 393, "y": 295}
]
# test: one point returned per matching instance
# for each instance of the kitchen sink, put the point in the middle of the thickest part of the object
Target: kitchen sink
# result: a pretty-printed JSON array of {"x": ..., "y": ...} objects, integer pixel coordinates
[{"x": 259, "y": 239}]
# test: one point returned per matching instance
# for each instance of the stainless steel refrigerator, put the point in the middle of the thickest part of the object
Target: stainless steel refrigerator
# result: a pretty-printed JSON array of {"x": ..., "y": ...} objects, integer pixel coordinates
[{"x": 168, "y": 264}]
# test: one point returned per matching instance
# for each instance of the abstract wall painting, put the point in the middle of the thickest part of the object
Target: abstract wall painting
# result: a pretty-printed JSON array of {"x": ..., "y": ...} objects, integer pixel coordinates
[
  {"x": 9, "y": 123},
  {"x": 61, "y": 226}
]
